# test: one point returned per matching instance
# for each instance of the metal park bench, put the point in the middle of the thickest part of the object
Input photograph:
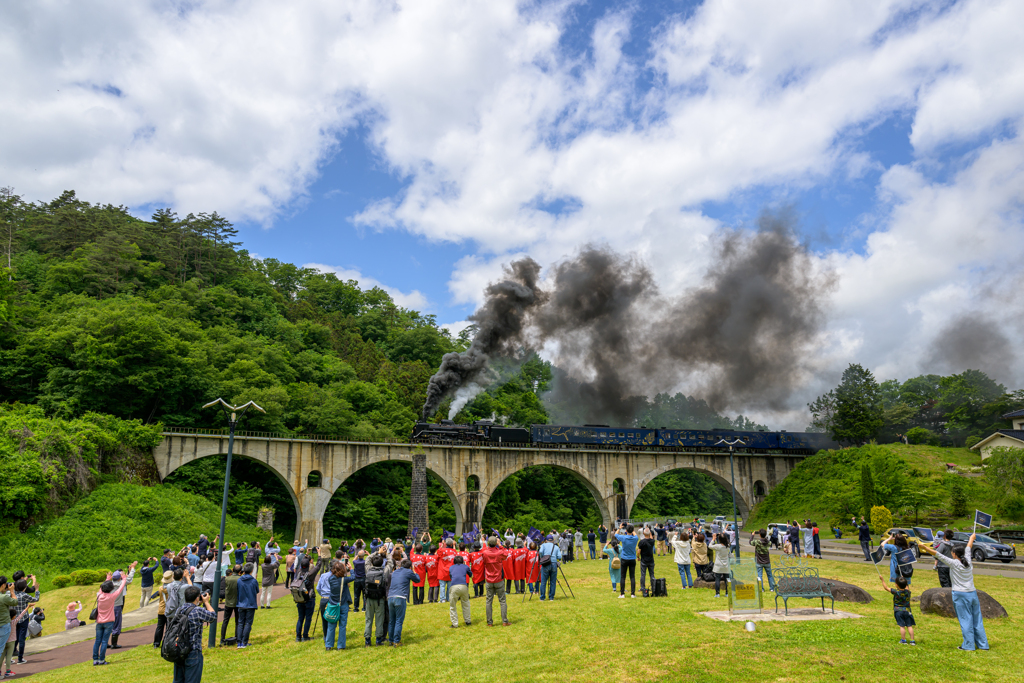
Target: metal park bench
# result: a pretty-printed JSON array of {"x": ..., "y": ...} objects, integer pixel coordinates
[{"x": 800, "y": 582}]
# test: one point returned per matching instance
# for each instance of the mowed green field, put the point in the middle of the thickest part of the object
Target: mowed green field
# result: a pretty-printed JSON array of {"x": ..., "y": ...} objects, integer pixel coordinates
[{"x": 598, "y": 637}]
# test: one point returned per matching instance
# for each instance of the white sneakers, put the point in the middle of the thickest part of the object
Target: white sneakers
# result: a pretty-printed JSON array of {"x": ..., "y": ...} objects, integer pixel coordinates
[{"x": 621, "y": 596}]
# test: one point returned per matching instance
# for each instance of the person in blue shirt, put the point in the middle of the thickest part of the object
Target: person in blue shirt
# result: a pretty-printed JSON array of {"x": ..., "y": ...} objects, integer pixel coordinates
[
  {"x": 627, "y": 559},
  {"x": 398, "y": 600},
  {"x": 460, "y": 591},
  {"x": 248, "y": 595},
  {"x": 193, "y": 559},
  {"x": 549, "y": 571},
  {"x": 337, "y": 593},
  {"x": 147, "y": 581}
]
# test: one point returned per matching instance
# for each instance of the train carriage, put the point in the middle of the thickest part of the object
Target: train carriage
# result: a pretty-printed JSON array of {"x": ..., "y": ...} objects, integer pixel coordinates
[{"x": 597, "y": 435}]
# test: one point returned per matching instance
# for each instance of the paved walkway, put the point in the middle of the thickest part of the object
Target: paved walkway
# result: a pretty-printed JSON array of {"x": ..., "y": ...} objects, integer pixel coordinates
[{"x": 65, "y": 648}]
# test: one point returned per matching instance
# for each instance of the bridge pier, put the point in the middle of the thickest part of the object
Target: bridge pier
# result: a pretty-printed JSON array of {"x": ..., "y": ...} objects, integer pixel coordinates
[{"x": 312, "y": 470}]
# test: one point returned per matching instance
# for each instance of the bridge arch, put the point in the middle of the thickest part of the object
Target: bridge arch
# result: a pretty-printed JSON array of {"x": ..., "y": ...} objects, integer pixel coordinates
[
  {"x": 173, "y": 466},
  {"x": 742, "y": 504},
  {"x": 490, "y": 484}
]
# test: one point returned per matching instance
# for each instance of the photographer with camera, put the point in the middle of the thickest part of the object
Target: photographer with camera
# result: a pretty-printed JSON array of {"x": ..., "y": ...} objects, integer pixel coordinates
[
  {"x": 627, "y": 559},
  {"x": 548, "y": 556}
]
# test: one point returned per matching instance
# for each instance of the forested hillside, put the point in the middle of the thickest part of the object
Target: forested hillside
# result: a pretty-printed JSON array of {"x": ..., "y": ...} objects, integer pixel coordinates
[{"x": 115, "y": 326}]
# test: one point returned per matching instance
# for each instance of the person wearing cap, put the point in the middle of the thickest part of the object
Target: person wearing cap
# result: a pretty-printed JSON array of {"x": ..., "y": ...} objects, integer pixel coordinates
[
  {"x": 161, "y": 618},
  {"x": 494, "y": 557},
  {"x": 115, "y": 633},
  {"x": 549, "y": 572}
]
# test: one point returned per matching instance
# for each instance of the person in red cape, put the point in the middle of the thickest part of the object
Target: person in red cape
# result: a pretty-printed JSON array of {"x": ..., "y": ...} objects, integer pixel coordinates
[
  {"x": 476, "y": 561},
  {"x": 519, "y": 566},
  {"x": 494, "y": 557},
  {"x": 532, "y": 569},
  {"x": 508, "y": 569},
  {"x": 419, "y": 565},
  {"x": 431, "y": 563},
  {"x": 445, "y": 558}
]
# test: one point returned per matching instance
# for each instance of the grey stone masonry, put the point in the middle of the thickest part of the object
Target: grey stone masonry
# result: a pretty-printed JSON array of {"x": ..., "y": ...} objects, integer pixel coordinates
[{"x": 419, "y": 517}]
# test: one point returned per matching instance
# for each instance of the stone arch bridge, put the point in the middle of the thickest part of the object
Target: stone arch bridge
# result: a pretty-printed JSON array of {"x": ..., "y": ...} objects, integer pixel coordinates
[{"x": 312, "y": 470}]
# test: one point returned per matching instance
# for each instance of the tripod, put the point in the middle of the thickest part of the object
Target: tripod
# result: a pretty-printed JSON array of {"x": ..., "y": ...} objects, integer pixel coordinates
[{"x": 564, "y": 578}]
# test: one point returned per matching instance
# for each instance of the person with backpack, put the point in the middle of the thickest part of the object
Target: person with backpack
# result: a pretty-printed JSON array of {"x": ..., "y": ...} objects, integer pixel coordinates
[
  {"x": 184, "y": 642},
  {"x": 248, "y": 598},
  {"x": 301, "y": 588},
  {"x": 254, "y": 553},
  {"x": 375, "y": 592},
  {"x": 548, "y": 556},
  {"x": 762, "y": 559}
]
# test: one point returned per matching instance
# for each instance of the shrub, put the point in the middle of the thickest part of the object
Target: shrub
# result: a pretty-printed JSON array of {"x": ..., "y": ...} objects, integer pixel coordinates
[
  {"x": 1012, "y": 507},
  {"x": 881, "y": 519},
  {"x": 62, "y": 581},
  {"x": 87, "y": 577},
  {"x": 971, "y": 441},
  {"x": 920, "y": 435}
]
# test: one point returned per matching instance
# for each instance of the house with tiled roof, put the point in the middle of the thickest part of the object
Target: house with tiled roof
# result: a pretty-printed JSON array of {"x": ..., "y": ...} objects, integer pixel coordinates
[{"x": 1013, "y": 438}]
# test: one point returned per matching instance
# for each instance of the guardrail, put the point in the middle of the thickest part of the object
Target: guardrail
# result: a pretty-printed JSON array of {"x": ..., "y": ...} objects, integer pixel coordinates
[{"x": 223, "y": 432}]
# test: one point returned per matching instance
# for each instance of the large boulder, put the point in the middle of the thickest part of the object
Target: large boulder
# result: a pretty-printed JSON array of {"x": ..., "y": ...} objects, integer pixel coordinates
[
  {"x": 940, "y": 601},
  {"x": 847, "y": 592},
  {"x": 701, "y": 583}
]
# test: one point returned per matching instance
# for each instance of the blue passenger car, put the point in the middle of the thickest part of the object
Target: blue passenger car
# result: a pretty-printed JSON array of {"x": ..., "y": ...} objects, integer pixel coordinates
[{"x": 594, "y": 434}]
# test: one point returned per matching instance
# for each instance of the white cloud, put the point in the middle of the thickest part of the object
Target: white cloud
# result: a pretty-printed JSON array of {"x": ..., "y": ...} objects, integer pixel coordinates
[
  {"x": 414, "y": 299},
  {"x": 234, "y": 106}
]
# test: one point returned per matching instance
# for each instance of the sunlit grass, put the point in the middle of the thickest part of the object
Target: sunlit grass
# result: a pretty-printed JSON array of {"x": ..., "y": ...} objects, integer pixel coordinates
[{"x": 597, "y": 637}]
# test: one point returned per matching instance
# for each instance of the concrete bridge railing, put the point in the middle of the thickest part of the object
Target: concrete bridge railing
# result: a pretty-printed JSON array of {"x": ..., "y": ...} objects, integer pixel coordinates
[{"x": 312, "y": 469}]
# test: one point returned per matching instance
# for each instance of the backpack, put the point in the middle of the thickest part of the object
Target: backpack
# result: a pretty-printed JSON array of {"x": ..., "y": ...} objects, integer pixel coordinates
[
  {"x": 177, "y": 645},
  {"x": 374, "y": 587},
  {"x": 251, "y": 555},
  {"x": 660, "y": 588},
  {"x": 616, "y": 563},
  {"x": 298, "y": 588}
]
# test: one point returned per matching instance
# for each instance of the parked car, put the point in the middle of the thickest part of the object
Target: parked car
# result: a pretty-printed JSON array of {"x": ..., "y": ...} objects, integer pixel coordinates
[
  {"x": 911, "y": 538},
  {"x": 986, "y": 548}
]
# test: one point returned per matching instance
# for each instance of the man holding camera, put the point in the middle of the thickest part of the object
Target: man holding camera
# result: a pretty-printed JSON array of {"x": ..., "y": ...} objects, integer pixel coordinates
[
  {"x": 548, "y": 555},
  {"x": 191, "y": 670}
]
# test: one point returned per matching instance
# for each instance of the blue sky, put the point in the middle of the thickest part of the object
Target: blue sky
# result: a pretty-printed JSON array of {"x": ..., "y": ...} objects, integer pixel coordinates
[{"x": 422, "y": 147}]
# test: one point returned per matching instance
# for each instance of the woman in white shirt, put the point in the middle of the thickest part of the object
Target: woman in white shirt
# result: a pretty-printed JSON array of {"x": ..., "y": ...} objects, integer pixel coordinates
[
  {"x": 682, "y": 557},
  {"x": 965, "y": 597},
  {"x": 721, "y": 567}
]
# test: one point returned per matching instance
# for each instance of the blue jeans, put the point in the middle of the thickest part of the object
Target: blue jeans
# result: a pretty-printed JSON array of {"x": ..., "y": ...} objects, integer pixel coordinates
[
  {"x": 767, "y": 569},
  {"x": 396, "y": 617},
  {"x": 548, "y": 574},
  {"x": 21, "y": 633},
  {"x": 243, "y": 624},
  {"x": 444, "y": 590},
  {"x": 593, "y": 552},
  {"x": 191, "y": 671},
  {"x": 334, "y": 634},
  {"x": 684, "y": 575},
  {"x": 968, "y": 613},
  {"x": 99, "y": 646}
]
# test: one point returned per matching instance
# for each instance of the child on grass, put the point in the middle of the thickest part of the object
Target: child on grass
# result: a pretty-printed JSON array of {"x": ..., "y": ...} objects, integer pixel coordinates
[{"x": 901, "y": 608}]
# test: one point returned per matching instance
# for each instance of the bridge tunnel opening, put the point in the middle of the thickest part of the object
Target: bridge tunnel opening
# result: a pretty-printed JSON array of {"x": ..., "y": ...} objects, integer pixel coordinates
[
  {"x": 543, "y": 496},
  {"x": 374, "y": 501},
  {"x": 682, "y": 494},
  {"x": 253, "y": 486}
]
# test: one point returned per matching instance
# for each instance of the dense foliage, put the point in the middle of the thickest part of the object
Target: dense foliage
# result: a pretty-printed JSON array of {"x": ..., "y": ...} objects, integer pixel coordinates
[
  {"x": 926, "y": 409},
  {"x": 112, "y": 526},
  {"x": 47, "y": 464}
]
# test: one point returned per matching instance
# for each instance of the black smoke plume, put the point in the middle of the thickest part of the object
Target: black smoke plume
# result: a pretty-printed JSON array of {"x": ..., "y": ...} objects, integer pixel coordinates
[
  {"x": 499, "y": 326},
  {"x": 740, "y": 339}
]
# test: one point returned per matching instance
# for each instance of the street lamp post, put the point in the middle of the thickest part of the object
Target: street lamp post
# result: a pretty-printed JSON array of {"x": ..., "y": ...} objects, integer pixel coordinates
[
  {"x": 732, "y": 475},
  {"x": 234, "y": 414}
]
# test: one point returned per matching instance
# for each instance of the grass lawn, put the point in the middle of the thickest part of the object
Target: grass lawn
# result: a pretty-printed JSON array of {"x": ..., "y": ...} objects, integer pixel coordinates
[{"x": 598, "y": 637}]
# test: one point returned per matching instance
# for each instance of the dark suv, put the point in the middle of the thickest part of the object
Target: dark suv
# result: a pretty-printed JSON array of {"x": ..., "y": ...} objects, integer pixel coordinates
[{"x": 985, "y": 548}]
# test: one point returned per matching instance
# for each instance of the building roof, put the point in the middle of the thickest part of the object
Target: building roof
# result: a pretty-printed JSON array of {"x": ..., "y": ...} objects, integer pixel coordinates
[
  {"x": 1016, "y": 413},
  {"x": 1016, "y": 434}
]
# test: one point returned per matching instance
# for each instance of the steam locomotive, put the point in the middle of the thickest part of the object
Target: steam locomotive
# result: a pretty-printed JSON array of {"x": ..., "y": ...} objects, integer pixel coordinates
[{"x": 486, "y": 433}]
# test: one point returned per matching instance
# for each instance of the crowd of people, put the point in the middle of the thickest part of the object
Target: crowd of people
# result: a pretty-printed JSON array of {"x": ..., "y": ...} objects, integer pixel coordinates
[{"x": 383, "y": 578}]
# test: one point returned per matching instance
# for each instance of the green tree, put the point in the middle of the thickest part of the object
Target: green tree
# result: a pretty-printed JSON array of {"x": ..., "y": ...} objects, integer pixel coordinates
[
  {"x": 823, "y": 413},
  {"x": 1004, "y": 470},
  {"x": 867, "y": 491},
  {"x": 957, "y": 498},
  {"x": 858, "y": 406}
]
